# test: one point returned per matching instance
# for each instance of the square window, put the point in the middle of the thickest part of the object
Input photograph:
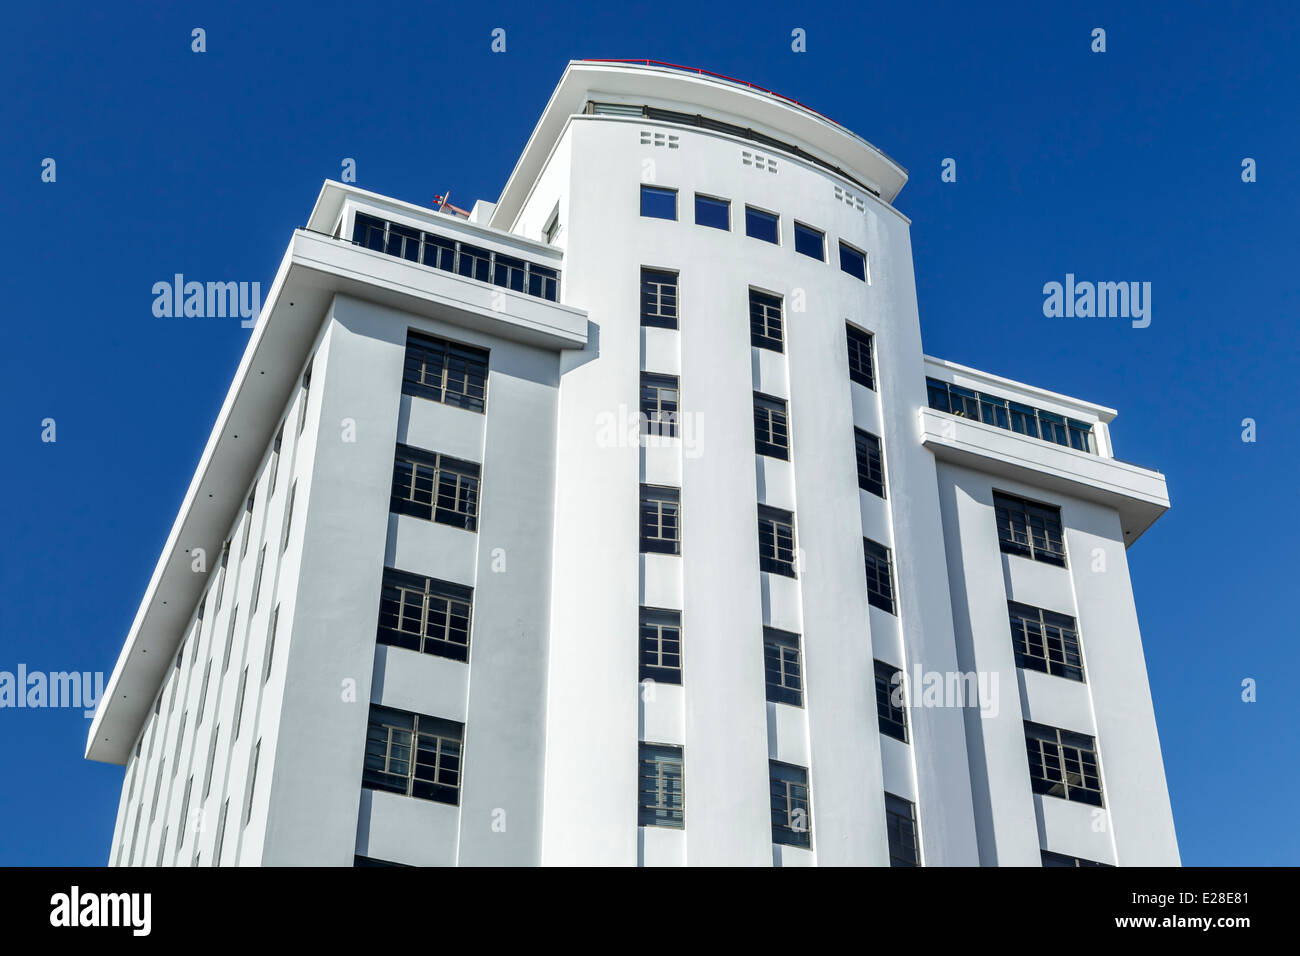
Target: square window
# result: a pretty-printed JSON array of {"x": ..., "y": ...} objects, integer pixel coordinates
[
  {"x": 661, "y": 645},
  {"x": 771, "y": 427},
  {"x": 657, "y": 203},
  {"x": 660, "y": 520},
  {"x": 761, "y": 225},
  {"x": 782, "y": 667},
  {"x": 853, "y": 262},
  {"x": 658, "y": 298},
  {"x": 715, "y": 213},
  {"x": 776, "y": 550},
  {"x": 809, "y": 242},
  {"x": 766, "y": 326},
  {"x": 659, "y": 405}
]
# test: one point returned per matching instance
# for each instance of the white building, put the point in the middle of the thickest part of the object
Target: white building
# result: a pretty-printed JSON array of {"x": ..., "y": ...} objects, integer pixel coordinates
[{"x": 621, "y": 648}]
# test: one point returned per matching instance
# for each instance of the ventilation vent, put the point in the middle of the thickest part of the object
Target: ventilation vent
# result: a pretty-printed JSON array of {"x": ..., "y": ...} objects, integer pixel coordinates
[
  {"x": 649, "y": 138},
  {"x": 757, "y": 160},
  {"x": 846, "y": 197}
]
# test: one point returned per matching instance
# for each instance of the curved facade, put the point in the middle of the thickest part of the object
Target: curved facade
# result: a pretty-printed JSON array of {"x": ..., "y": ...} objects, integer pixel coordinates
[{"x": 654, "y": 494}]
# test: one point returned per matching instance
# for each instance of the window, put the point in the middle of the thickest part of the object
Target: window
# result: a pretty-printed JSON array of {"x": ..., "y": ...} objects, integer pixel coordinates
[
  {"x": 880, "y": 575},
  {"x": 1063, "y": 764},
  {"x": 661, "y": 645},
  {"x": 288, "y": 516},
  {"x": 473, "y": 262},
  {"x": 509, "y": 272},
  {"x": 853, "y": 262},
  {"x": 252, "y": 783},
  {"x": 445, "y": 372},
  {"x": 221, "y": 833},
  {"x": 761, "y": 225},
  {"x": 1029, "y": 529},
  {"x": 239, "y": 704},
  {"x": 552, "y": 228},
  {"x": 435, "y": 487},
  {"x": 413, "y": 755},
  {"x": 809, "y": 242},
  {"x": 771, "y": 427},
  {"x": 659, "y": 298},
  {"x": 891, "y": 708},
  {"x": 659, "y": 405},
  {"x": 661, "y": 796},
  {"x": 248, "y": 523},
  {"x": 861, "y": 369},
  {"x": 658, "y": 203},
  {"x": 1013, "y": 416},
  {"x": 782, "y": 667},
  {"x": 425, "y": 614},
  {"x": 715, "y": 213},
  {"x": 765, "y": 324},
  {"x": 185, "y": 810},
  {"x": 776, "y": 541},
  {"x": 1061, "y": 859},
  {"x": 1045, "y": 641},
  {"x": 660, "y": 520},
  {"x": 270, "y": 643},
  {"x": 212, "y": 757},
  {"x": 302, "y": 402},
  {"x": 871, "y": 467},
  {"x": 221, "y": 581},
  {"x": 791, "y": 813},
  {"x": 900, "y": 824},
  {"x": 275, "y": 460},
  {"x": 257, "y": 579}
]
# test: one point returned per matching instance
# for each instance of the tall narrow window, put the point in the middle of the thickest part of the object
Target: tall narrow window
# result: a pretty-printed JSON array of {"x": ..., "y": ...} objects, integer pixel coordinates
[
  {"x": 222, "y": 571},
  {"x": 270, "y": 643},
  {"x": 661, "y": 792},
  {"x": 715, "y": 213},
  {"x": 1063, "y": 764},
  {"x": 302, "y": 401},
  {"x": 659, "y": 298},
  {"x": 880, "y": 575},
  {"x": 871, "y": 465},
  {"x": 1029, "y": 529},
  {"x": 221, "y": 833},
  {"x": 275, "y": 460},
  {"x": 1045, "y": 641},
  {"x": 791, "y": 811},
  {"x": 435, "y": 487},
  {"x": 288, "y": 517},
  {"x": 248, "y": 524},
  {"x": 425, "y": 614},
  {"x": 230, "y": 638},
  {"x": 212, "y": 759},
  {"x": 853, "y": 261},
  {"x": 660, "y": 520},
  {"x": 809, "y": 242},
  {"x": 659, "y": 405},
  {"x": 661, "y": 645},
  {"x": 762, "y": 225},
  {"x": 252, "y": 783},
  {"x": 776, "y": 551},
  {"x": 861, "y": 369},
  {"x": 658, "y": 203},
  {"x": 445, "y": 372},
  {"x": 257, "y": 580},
  {"x": 782, "y": 667},
  {"x": 413, "y": 755},
  {"x": 890, "y": 706},
  {"x": 900, "y": 824},
  {"x": 185, "y": 810},
  {"x": 239, "y": 703},
  {"x": 766, "y": 328},
  {"x": 771, "y": 427},
  {"x": 203, "y": 691}
]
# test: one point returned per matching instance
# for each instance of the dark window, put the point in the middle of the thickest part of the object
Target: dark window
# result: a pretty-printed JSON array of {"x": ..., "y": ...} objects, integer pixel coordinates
[
  {"x": 435, "y": 487},
  {"x": 508, "y": 272},
  {"x": 782, "y": 667},
  {"x": 658, "y": 203},
  {"x": 425, "y": 614},
  {"x": 474, "y": 263},
  {"x": 900, "y": 823},
  {"x": 373, "y": 861},
  {"x": 861, "y": 369},
  {"x": 661, "y": 645},
  {"x": 369, "y": 232},
  {"x": 1029, "y": 529},
  {"x": 791, "y": 811},
  {"x": 891, "y": 707},
  {"x": 880, "y": 575},
  {"x": 871, "y": 468},
  {"x": 712, "y": 212},
  {"x": 761, "y": 225},
  {"x": 765, "y": 323},
  {"x": 413, "y": 755},
  {"x": 660, "y": 520},
  {"x": 439, "y": 253},
  {"x": 543, "y": 282},
  {"x": 659, "y": 298},
  {"x": 661, "y": 794},
  {"x": 771, "y": 427},
  {"x": 810, "y": 242},
  {"x": 853, "y": 262},
  {"x": 659, "y": 405},
  {"x": 1060, "y": 859},
  {"x": 776, "y": 541},
  {"x": 403, "y": 242},
  {"x": 1063, "y": 764},
  {"x": 1013, "y": 416},
  {"x": 1045, "y": 641},
  {"x": 445, "y": 372}
]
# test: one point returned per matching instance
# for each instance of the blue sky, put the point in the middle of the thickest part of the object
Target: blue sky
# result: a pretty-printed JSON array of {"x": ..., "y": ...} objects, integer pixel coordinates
[{"x": 1117, "y": 166}]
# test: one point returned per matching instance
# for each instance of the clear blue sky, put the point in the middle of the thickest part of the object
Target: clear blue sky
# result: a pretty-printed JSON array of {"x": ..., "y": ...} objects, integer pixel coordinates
[{"x": 1118, "y": 166}]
